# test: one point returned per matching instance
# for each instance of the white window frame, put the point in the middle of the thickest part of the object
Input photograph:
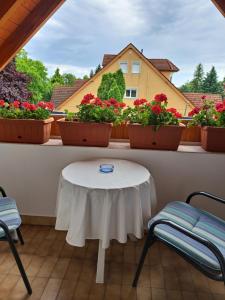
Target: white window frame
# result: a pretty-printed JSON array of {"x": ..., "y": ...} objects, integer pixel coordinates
[
  {"x": 124, "y": 62},
  {"x": 135, "y": 62},
  {"x": 131, "y": 88}
]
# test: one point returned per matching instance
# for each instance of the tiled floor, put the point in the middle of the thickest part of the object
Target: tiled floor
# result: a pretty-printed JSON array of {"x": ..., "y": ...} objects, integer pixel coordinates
[{"x": 59, "y": 271}]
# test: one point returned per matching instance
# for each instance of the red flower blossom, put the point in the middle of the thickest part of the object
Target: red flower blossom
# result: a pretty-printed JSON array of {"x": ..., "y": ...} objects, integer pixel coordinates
[
  {"x": 49, "y": 105},
  {"x": 122, "y": 104},
  {"x": 172, "y": 110},
  {"x": 42, "y": 104},
  {"x": 15, "y": 104},
  {"x": 220, "y": 107},
  {"x": 139, "y": 102},
  {"x": 203, "y": 97},
  {"x": 97, "y": 102},
  {"x": 2, "y": 103},
  {"x": 178, "y": 115},
  {"x": 156, "y": 109},
  {"x": 160, "y": 98},
  {"x": 113, "y": 101},
  {"x": 32, "y": 107},
  {"x": 26, "y": 105},
  {"x": 194, "y": 111}
]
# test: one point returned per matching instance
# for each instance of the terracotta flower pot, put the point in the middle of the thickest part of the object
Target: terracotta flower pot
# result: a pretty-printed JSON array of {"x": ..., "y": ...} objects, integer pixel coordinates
[
  {"x": 213, "y": 138},
  {"x": 148, "y": 137},
  {"x": 25, "y": 131},
  {"x": 84, "y": 133}
]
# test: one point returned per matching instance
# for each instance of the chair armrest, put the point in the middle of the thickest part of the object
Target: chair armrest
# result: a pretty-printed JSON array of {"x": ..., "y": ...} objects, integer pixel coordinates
[
  {"x": 218, "y": 199},
  {"x": 192, "y": 235},
  {"x": 2, "y": 191}
]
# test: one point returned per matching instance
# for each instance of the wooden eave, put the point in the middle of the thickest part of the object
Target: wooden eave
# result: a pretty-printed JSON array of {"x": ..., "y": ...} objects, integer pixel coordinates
[
  {"x": 220, "y": 4},
  {"x": 19, "y": 21}
]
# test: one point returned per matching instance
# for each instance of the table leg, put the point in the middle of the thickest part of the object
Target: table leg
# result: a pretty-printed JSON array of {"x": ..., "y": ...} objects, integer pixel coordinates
[{"x": 100, "y": 264}]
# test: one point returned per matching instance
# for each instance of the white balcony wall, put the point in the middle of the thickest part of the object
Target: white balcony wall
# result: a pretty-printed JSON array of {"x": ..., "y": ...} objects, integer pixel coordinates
[{"x": 30, "y": 173}]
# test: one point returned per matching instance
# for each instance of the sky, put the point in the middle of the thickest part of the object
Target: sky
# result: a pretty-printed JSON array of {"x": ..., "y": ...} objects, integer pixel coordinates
[{"x": 187, "y": 32}]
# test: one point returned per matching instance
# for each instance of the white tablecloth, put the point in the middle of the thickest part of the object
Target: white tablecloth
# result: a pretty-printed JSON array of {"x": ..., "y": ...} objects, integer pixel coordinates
[{"x": 93, "y": 205}]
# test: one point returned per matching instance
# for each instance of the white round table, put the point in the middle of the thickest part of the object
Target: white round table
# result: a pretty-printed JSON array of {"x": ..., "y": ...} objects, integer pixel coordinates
[{"x": 94, "y": 205}]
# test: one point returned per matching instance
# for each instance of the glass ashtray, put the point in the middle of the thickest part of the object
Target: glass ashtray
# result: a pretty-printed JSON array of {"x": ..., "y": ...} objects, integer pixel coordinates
[{"x": 106, "y": 168}]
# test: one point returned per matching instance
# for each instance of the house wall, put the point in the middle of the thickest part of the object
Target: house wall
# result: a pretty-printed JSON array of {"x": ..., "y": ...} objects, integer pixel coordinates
[{"x": 148, "y": 82}]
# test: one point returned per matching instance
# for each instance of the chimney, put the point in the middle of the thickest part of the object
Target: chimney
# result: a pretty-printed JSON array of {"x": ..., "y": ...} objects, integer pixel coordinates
[{"x": 142, "y": 51}]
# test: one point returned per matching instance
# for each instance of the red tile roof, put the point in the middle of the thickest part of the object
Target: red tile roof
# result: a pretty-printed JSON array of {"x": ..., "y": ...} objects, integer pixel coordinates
[
  {"x": 196, "y": 98},
  {"x": 62, "y": 92},
  {"x": 161, "y": 64}
]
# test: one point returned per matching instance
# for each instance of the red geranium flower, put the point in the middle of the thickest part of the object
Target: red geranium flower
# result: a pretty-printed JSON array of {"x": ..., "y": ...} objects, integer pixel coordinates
[
  {"x": 194, "y": 111},
  {"x": 160, "y": 98},
  {"x": 203, "y": 97},
  {"x": 32, "y": 107},
  {"x": 97, "y": 102},
  {"x": 122, "y": 104},
  {"x": 42, "y": 104},
  {"x": 49, "y": 105},
  {"x": 178, "y": 115},
  {"x": 172, "y": 110},
  {"x": 139, "y": 102},
  {"x": 2, "y": 103},
  {"x": 26, "y": 105},
  {"x": 156, "y": 109},
  {"x": 15, "y": 104}
]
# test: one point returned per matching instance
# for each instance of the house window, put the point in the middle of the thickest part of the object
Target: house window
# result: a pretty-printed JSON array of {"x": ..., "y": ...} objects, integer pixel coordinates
[
  {"x": 131, "y": 93},
  {"x": 124, "y": 66},
  {"x": 135, "y": 67}
]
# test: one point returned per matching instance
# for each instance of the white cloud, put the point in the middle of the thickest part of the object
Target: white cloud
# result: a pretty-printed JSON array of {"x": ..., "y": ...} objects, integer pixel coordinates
[{"x": 187, "y": 32}]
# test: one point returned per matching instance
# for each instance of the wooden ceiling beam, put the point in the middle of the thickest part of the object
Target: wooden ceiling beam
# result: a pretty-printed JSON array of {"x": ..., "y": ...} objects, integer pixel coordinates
[
  {"x": 5, "y": 7},
  {"x": 29, "y": 26},
  {"x": 220, "y": 4}
]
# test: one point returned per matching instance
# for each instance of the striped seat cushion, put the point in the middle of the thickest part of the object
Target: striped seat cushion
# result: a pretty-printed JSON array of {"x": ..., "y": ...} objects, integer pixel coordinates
[
  {"x": 9, "y": 214},
  {"x": 198, "y": 221}
]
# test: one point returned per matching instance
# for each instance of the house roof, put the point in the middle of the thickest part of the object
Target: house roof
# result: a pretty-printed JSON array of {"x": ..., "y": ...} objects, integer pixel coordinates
[
  {"x": 131, "y": 46},
  {"x": 19, "y": 21},
  {"x": 220, "y": 4},
  {"x": 62, "y": 92},
  {"x": 162, "y": 64},
  {"x": 196, "y": 98}
]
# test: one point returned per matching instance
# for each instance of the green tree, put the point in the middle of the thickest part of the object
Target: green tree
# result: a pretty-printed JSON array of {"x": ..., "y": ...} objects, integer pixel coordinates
[
  {"x": 105, "y": 85},
  {"x": 108, "y": 83},
  {"x": 91, "y": 73},
  {"x": 39, "y": 86},
  {"x": 98, "y": 68},
  {"x": 197, "y": 82},
  {"x": 85, "y": 77},
  {"x": 186, "y": 87},
  {"x": 114, "y": 91},
  {"x": 57, "y": 78},
  {"x": 69, "y": 79},
  {"x": 210, "y": 83},
  {"x": 118, "y": 75}
]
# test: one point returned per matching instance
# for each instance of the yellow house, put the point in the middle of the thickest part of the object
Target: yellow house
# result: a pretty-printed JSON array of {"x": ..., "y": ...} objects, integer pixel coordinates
[{"x": 144, "y": 78}]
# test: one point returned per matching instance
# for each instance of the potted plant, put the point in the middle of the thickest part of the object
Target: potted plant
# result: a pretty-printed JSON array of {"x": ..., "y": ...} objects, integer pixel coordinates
[
  {"x": 152, "y": 126},
  {"x": 24, "y": 122},
  {"x": 211, "y": 118},
  {"x": 92, "y": 124}
]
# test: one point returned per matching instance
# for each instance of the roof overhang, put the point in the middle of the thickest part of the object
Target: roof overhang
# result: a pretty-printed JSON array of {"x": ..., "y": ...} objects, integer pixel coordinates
[
  {"x": 220, "y": 4},
  {"x": 19, "y": 21}
]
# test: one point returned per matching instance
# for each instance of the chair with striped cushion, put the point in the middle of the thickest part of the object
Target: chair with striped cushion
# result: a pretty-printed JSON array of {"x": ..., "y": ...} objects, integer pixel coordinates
[
  {"x": 10, "y": 222},
  {"x": 193, "y": 233}
]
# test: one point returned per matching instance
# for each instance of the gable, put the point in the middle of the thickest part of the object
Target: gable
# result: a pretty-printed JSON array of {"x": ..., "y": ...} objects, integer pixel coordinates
[{"x": 150, "y": 82}]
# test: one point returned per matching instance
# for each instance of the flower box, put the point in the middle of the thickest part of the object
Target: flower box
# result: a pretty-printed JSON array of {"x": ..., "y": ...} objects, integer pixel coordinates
[
  {"x": 213, "y": 138},
  {"x": 150, "y": 137},
  {"x": 84, "y": 133},
  {"x": 25, "y": 131}
]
